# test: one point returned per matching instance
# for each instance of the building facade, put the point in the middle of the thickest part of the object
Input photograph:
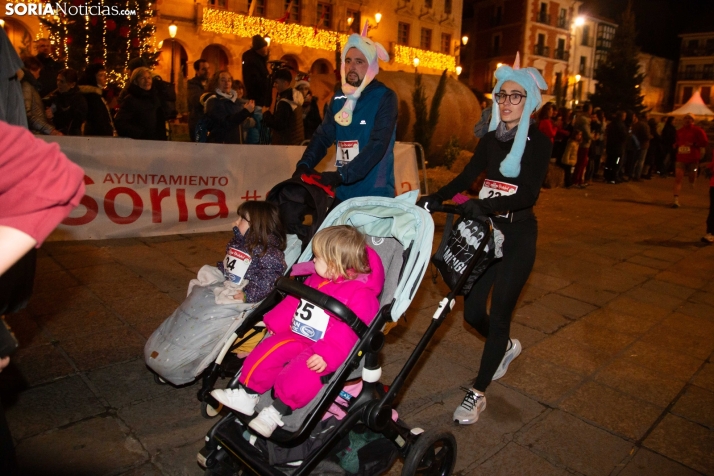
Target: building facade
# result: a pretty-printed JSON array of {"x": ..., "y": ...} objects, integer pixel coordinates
[
  {"x": 304, "y": 33},
  {"x": 696, "y": 68}
]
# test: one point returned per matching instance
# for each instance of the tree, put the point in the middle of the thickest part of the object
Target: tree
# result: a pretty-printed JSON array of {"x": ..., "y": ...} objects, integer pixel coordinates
[
  {"x": 425, "y": 125},
  {"x": 619, "y": 81},
  {"x": 103, "y": 36}
]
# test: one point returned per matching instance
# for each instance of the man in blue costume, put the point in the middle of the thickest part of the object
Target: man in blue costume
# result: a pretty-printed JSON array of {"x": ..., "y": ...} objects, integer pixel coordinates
[{"x": 362, "y": 123}]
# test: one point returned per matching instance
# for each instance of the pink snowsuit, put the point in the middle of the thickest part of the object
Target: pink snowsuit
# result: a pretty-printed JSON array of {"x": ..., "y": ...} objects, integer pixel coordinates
[{"x": 280, "y": 361}]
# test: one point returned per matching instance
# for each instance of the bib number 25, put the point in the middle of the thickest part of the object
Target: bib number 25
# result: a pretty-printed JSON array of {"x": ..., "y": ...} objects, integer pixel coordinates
[{"x": 304, "y": 310}]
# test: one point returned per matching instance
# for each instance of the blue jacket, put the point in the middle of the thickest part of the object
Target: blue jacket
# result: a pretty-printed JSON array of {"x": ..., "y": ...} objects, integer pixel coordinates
[{"x": 374, "y": 126}]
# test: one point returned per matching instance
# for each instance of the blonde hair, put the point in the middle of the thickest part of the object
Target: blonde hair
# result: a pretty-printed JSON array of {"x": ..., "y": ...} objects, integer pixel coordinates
[
  {"x": 137, "y": 73},
  {"x": 344, "y": 250}
]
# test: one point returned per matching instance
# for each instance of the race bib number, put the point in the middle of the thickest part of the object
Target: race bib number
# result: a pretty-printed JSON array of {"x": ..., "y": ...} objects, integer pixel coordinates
[
  {"x": 236, "y": 264},
  {"x": 684, "y": 149},
  {"x": 347, "y": 150},
  {"x": 310, "y": 321},
  {"x": 493, "y": 188}
]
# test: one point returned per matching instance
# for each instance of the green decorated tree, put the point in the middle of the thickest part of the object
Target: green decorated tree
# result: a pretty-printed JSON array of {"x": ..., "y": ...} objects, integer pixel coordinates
[
  {"x": 112, "y": 33},
  {"x": 619, "y": 80}
]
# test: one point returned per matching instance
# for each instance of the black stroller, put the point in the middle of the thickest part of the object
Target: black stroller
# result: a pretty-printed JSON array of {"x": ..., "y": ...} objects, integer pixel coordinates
[{"x": 401, "y": 234}]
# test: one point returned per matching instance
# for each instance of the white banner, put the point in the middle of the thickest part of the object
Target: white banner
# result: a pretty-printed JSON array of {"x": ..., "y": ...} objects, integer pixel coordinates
[{"x": 151, "y": 188}]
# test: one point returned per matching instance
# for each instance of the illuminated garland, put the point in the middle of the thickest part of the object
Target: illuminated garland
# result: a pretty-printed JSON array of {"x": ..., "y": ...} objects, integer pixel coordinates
[
  {"x": 221, "y": 21},
  {"x": 427, "y": 59}
]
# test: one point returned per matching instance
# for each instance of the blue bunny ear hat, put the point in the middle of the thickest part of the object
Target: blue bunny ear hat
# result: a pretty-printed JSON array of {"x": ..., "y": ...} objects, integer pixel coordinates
[{"x": 533, "y": 83}]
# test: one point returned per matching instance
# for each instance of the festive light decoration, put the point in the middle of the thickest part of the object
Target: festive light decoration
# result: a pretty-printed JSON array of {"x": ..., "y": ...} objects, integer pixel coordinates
[
  {"x": 427, "y": 59},
  {"x": 221, "y": 21}
]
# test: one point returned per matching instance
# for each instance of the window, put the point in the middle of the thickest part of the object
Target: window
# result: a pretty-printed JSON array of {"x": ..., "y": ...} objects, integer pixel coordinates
[
  {"x": 543, "y": 16},
  {"x": 324, "y": 15},
  {"x": 563, "y": 18},
  {"x": 447, "y": 7},
  {"x": 356, "y": 16},
  {"x": 496, "y": 45},
  {"x": 425, "y": 41},
  {"x": 497, "y": 16},
  {"x": 693, "y": 44},
  {"x": 586, "y": 36},
  {"x": 403, "y": 34},
  {"x": 446, "y": 43},
  {"x": 706, "y": 92},
  {"x": 605, "y": 33},
  {"x": 217, "y": 3},
  {"x": 560, "y": 52},
  {"x": 708, "y": 71},
  {"x": 689, "y": 71},
  {"x": 686, "y": 93},
  {"x": 293, "y": 7},
  {"x": 583, "y": 66},
  {"x": 428, "y": 3},
  {"x": 259, "y": 10}
]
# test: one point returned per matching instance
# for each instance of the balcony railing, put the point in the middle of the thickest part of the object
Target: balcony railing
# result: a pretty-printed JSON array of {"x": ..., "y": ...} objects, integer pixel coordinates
[
  {"x": 543, "y": 18},
  {"x": 561, "y": 55},
  {"x": 562, "y": 22},
  {"x": 709, "y": 51},
  {"x": 695, "y": 75},
  {"x": 587, "y": 41},
  {"x": 541, "y": 50}
]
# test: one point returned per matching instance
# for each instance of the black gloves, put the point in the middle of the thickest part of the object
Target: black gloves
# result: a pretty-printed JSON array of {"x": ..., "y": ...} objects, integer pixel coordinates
[
  {"x": 302, "y": 169},
  {"x": 430, "y": 203},
  {"x": 331, "y": 179},
  {"x": 470, "y": 209}
]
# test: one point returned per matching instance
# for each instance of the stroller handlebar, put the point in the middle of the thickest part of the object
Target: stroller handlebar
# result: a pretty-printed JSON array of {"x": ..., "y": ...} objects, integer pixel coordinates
[{"x": 324, "y": 301}]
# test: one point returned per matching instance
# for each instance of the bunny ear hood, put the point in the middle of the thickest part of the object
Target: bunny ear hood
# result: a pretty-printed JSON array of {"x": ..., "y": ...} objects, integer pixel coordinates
[
  {"x": 533, "y": 83},
  {"x": 374, "y": 52}
]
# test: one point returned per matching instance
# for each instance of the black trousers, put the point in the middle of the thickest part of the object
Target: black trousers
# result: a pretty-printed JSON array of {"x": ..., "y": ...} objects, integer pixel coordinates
[
  {"x": 710, "y": 218},
  {"x": 612, "y": 164},
  {"x": 506, "y": 277}
]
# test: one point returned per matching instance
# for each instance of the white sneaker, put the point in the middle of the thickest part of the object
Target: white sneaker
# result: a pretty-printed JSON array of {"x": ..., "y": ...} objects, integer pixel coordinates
[
  {"x": 511, "y": 354},
  {"x": 267, "y": 421},
  {"x": 237, "y": 399},
  {"x": 708, "y": 238},
  {"x": 675, "y": 204},
  {"x": 473, "y": 404}
]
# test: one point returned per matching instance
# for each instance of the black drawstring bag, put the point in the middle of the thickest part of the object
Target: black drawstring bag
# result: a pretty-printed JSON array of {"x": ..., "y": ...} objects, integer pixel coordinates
[{"x": 459, "y": 246}]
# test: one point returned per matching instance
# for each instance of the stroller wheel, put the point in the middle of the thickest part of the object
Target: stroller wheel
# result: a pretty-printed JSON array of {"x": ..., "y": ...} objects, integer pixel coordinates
[
  {"x": 207, "y": 411},
  {"x": 159, "y": 380},
  {"x": 433, "y": 454}
]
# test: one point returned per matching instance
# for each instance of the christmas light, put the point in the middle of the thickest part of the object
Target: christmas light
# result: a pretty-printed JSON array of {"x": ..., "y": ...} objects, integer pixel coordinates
[
  {"x": 221, "y": 21},
  {"x": 427, "y": 59}
]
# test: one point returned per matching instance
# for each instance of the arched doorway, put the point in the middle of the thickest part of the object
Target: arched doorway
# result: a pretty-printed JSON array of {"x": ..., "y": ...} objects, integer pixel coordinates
[
  {"x": 217, "y": 58},
  {"x": 291, "y": 62},
  {"x": 172, "y": 61},
  {"x": 321, "y": 66},
  {"x": 19, "y": 37}
]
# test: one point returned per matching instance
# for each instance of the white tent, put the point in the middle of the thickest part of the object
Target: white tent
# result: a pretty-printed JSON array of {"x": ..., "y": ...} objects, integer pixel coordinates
[{"x": 695, "y": 106}]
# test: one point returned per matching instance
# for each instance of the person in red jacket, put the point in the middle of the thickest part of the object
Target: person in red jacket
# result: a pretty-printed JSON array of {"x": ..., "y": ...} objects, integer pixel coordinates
[{"x": 690, "y": 139}]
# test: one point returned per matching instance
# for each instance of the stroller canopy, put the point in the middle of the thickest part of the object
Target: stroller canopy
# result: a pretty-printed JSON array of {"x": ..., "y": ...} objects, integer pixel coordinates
[{"x": 397, "y": 218}]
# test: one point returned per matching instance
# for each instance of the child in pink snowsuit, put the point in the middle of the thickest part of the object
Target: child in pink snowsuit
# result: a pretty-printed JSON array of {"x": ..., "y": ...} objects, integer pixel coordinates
[{"x": 307, "y": 342}]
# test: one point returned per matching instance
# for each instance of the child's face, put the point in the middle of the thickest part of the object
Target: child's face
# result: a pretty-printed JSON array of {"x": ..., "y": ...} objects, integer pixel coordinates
[
  {"x": 578, "y": 137},
  {"x": 243, "y": 224},
  {"x": 321, "y": 267}
]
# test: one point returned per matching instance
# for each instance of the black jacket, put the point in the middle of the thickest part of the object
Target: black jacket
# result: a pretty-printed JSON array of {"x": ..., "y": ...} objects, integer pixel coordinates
[
  {"x": 140, "y": 115},
  {"x": 99, "y": 121},
  {"x": 225, "y": 118},
  {"x": 69, "y": 111},
  {"x": 48, "y": 75},
  {"x": 311, "y": 118},
  {"x": 488, "y": 156},
  {"x": 286, "y": 123},
  {"x": 616, "y": 136},
  {"x": 195, "y": 108},
  {"x": 256, "y": 78}
]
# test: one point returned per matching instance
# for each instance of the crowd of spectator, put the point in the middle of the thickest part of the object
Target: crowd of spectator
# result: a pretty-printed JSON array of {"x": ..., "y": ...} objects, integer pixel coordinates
[{"x": 63, "y": 101}]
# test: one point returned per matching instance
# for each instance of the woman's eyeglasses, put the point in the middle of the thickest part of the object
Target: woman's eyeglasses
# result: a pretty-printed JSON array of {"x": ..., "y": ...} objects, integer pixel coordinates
[{"x": 513, "y": 98}]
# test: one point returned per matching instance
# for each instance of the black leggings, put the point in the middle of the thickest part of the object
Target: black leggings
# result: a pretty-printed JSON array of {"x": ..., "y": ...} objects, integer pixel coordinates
[
  {"x": 507, "y": 277},
  {"x": 710, "y": 218}
]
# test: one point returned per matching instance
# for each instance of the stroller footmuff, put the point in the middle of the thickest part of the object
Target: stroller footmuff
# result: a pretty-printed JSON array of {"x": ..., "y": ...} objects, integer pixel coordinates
[{"x": 313, "y": 440}]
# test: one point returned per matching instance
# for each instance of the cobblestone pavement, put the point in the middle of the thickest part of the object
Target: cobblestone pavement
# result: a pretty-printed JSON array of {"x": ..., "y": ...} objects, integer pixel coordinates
[{"x": 616, "y": 376}]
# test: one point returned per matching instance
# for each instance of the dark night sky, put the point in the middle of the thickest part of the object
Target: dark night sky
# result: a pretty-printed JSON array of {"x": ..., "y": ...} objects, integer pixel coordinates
[{"x": 660, "y": 21}]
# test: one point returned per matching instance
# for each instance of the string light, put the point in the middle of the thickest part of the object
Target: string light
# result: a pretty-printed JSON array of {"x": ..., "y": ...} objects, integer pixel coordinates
[
  {"x": 221, "y": 21},
  {"x": 427, "y": 59}
]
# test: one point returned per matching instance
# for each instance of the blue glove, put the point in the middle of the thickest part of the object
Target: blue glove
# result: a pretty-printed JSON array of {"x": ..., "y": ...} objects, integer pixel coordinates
[{"x": 470, "y": 209}]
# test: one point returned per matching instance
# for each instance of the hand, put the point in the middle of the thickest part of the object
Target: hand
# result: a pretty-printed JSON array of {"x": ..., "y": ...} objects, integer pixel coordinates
[
  {"x": 470, "y": 209},
  {"x": 250, "y": 106},
  {"x": 48, "y": 113},
  {"x": 4, "y": 362},
  {"x": 430, "y": 203},
  {"x": 331, "y": 179},
  {"x": 55, "y": 132},
  {"x": 239, "y": 296},
  {"x": 302, "y": 169},
  {"x": 316, "y": 364}
]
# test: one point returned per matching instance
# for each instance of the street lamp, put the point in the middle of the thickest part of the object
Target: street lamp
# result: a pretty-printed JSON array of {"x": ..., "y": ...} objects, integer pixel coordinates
[
  {"x": 579, "y": 21},
  {"x": 377, "y": 18},
  {"x": 458, "y": 70},
  {"x": 464, "y": 39},
  {"x": 172, "y": 33},
  {"x": 415, "y": 62},
  {"x": 267, "y": 40},
  {"x": 2, "y": 23}
]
